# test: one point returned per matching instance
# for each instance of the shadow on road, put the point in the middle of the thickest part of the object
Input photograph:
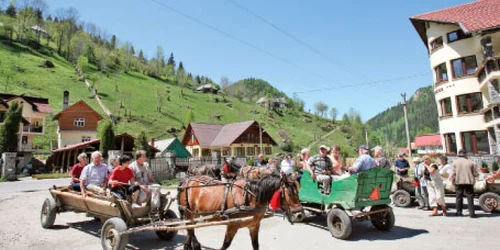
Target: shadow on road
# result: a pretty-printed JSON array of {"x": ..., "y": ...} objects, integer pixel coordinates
[
  {"x": 363, "y": 230},
  {"x": 142, "y": 240}
]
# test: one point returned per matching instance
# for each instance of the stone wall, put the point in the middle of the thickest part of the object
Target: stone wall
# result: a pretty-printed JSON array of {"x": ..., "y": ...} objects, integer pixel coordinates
[{"x": 489, "y": 159}]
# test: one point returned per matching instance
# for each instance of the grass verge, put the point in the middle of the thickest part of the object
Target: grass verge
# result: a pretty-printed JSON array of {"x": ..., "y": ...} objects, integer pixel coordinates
[
  {"x": 51, "y": 176},
  {"x": 170, "y": 182}
]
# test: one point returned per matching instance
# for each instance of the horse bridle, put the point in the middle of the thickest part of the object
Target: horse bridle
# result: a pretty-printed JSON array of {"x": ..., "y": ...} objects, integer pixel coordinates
[{"x": 286, "y": 206}]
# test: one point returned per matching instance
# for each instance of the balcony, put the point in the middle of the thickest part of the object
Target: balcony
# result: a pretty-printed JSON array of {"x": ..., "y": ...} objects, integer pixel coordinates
[
  {"x": 489, "y": 68},
  {"x": 491, "y": 114},
  {"x": 32, "y": 129}
]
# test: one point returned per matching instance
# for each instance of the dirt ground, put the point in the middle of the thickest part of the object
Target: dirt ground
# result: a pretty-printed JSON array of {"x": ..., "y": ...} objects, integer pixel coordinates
[{"x": 20, "y": 229}]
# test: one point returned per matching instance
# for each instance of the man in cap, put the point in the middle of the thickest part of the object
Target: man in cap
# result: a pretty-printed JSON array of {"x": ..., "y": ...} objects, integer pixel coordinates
[
  {"x": 321, "y": 166},
  {"x": 382, "y": 162},
  {"x": 402, "y": 166},
  {"x": 421, "y": 190},
  {"x": 364, "y": 162},
  {"x": 464, "y": 175}
]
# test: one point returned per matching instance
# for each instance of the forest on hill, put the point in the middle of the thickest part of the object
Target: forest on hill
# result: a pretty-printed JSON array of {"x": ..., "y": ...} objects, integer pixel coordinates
[
  {"x": 389, "y": 125},
  {"x": 156, "y": 94}
]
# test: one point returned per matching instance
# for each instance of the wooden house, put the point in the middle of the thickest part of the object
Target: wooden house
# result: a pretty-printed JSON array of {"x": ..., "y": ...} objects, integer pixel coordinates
[
  {"x": 76, "y": 123},
  {"x": 234, "y": 139}
]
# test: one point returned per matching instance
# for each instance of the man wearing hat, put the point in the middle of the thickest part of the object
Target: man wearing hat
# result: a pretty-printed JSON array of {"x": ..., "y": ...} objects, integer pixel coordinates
[
  {"x": 402, "y": 166},
  {"x": 464, "y": 175},
  {"x": 382, "y": 162},
  {"x": 364, "y": 162},
  {"x": 321, "y": 166}
]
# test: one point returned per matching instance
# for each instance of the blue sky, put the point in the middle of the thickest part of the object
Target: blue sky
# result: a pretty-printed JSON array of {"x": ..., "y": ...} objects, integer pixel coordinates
[{"x": 366, "y": 41}]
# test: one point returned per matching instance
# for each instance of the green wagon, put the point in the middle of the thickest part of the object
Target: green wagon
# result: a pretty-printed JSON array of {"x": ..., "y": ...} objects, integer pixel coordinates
[{"x": 349, "y": 199}]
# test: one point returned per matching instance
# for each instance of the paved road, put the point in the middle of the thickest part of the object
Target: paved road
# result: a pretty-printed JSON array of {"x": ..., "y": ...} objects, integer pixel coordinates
[
  {"x": 20, "y": 229},
  {"x": 28, "y": 184}
]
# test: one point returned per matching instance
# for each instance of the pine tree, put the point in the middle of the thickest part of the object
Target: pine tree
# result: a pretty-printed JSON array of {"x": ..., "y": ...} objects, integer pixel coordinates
[
  {"x": 198, "y": 80},
  {"x": 107, "y": 139},
  {"x": 181, "y": 67},
  {"x": 142, "y": 143},
  {"x": 49, "y": 18},
  {"x": 11, "y": 10},
  {"x": 171, "y": 60},
  {"x": 9, "y": 130},
  {"x": 112, "y": 43},
  {"x": 141, "y": 56},
  {"x": 132, "y": 50}
]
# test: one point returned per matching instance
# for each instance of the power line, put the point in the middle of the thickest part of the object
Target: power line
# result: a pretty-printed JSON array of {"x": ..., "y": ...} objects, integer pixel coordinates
[
  {"x": 237, "y": 39},
  {"x": 299, "y": 41},
  {"x": 365, "y": 83}
]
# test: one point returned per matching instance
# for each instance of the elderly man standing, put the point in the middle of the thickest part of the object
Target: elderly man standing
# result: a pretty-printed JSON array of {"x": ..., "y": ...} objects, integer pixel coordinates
[
  {"x": 464, "y": 175},
  {"x": 364, "y": 162},
  {"x": 142, "y": 173},
  {"x": 421, "y": 190},
  {"x": 382, "y": 162},
  {"x": 94, "y": 177},
  {"x": 321, "y": 166}
]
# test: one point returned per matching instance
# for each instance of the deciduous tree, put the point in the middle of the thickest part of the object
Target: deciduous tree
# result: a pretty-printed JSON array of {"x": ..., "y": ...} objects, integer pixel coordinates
[{"x": 10, "y": 129}]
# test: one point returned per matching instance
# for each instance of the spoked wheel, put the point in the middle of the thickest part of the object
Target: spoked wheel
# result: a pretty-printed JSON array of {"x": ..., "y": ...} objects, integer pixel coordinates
[
  {"x": 48, "y": 213},
  {"x": 383, "y": 221},
  {"x": 164, "y": 235},
  {"x": 489, "y": 202},
  {"x": 111, "y": 237},
  {"x": 401, "y": 198},
  {"x": 339, "y": 224}
]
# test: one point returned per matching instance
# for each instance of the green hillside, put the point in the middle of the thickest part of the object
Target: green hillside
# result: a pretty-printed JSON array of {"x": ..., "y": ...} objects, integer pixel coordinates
[
  {"x": 422, "y": 116},
  {"x": 155, "y": 94}
]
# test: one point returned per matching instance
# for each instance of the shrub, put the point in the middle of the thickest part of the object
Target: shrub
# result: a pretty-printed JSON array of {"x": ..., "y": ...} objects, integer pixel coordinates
[
  {"x": 495, "y": 166},
  {"x": 484, "y": 164}
]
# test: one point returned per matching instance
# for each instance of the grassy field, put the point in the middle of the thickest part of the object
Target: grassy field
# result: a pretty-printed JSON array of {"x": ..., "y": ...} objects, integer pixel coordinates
[
  {"x": 136, "y": 94},
  {"x": 51, "y": 176}
]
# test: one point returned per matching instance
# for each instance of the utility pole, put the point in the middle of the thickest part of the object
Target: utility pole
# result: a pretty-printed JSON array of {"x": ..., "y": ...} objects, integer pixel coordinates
[
  {"x": 366, "y": 137},
  {"x": 260, "y": 138},
  {"x": 408, "y": 140}
]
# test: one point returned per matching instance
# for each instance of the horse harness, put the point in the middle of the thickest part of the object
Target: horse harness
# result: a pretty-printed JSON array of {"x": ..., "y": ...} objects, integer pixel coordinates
[{"x": 224, "y": 211}]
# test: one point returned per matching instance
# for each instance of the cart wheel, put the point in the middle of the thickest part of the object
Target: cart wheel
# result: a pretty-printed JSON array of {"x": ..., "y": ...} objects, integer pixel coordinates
[
  {"x": 382, "y": 221},
  {"x": 111, "y": 239},
  {"x": 164, "y": 235},
  {"x": 48, "y": 213},
  {"x": 401, "y": 198},
  {"x": 489, "y": 202},
  {"x": 339, "y": 224}
]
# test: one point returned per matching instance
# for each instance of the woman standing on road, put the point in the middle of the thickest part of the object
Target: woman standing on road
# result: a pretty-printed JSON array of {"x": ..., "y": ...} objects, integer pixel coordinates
[{"x": 434, "y": 186}]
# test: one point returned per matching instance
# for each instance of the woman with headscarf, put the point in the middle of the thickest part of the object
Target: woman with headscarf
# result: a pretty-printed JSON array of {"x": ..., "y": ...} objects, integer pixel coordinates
[{"x": 435, "y": 186}]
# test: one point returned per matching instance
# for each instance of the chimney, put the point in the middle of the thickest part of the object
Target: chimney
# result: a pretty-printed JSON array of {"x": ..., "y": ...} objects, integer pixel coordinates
[
  {"x": 65, "y": 99},
  {"x": 152, "y": 142}
]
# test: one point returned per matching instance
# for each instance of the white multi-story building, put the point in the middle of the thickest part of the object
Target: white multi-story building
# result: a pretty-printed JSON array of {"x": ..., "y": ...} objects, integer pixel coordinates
[{"x": 463, "y": 43}]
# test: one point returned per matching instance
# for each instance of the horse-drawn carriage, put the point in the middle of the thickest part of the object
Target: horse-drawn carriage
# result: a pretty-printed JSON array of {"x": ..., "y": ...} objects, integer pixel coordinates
[
  {"x": 348, "y": 199},
  {"x": 488, "y": 194},
  {"x": 236, "y": 204}
]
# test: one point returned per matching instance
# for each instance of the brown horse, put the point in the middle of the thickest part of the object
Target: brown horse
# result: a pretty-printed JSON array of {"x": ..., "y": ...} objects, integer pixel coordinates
[
  {"x": 202, "y": 195},
  {"x": 204, "y": 170},
  {"x": 252, "y": 172}
]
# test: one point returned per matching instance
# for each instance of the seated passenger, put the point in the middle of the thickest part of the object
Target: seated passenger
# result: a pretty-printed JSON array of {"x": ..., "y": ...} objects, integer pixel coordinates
[
  {"x": 121, "y": 179},
  {"x": 143, "y": 175},
  {"x": 286, "y": 165},
  {"x": 76, "y": 171},
  {"x": 321, "y": 166},
  {"x": 260, "y": 162},
  {"x": 301, "y": 162},
  {"x": 94, "y": 176},
  {"x": 364, "y": 162}
]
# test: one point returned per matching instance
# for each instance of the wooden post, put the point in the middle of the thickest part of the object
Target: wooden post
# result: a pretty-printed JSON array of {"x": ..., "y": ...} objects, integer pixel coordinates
[
  {"x": 63, "y": 161},
  {"x": 408, "y": 138},
  {"x": 122, "y": 148},
  {"x": 75, "y": 156}
]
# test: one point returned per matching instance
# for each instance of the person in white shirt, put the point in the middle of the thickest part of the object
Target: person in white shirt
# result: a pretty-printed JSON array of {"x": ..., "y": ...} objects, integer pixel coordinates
[{"x": 287, "y": 164}]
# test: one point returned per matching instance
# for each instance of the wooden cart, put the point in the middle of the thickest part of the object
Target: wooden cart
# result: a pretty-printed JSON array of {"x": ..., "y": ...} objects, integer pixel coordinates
[
  {"x": 120, "y": 218},
  {"x": 348, "y": 199}
]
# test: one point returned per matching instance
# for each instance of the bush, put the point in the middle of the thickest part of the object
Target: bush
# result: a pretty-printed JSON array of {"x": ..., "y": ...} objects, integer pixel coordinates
[
  {"x": 484, "y": 164},
  {"x": 495, "y": 166}
]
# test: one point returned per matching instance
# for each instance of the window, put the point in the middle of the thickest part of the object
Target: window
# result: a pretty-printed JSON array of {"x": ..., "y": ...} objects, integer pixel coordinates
[
  {"x": 240, "y": 151},
  {"x": 446, "y": 107},
  {"x": 268, "y": 150},
  {"x": 456, "y": 35},
  {"x": 205, "y": 152},
  {"x": 226, "y": 152},
  {"x": 451, "y": 143},
  {"x": 24, "y": 140},
  {"x": 441, "y": 73},
  {"x": 2, "y": 116},
  {"x": 79, "y": 122},
  {"x": 437, "y": 43},
  {"x": 85, "y": 138},
  {"x": 476, "y": 142},
  {"x": 464, "y": 66},
  {"x": 196, "y": 152},
  {"x": 469, "y": 103},
  {"x": 250, "y": 151}
]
